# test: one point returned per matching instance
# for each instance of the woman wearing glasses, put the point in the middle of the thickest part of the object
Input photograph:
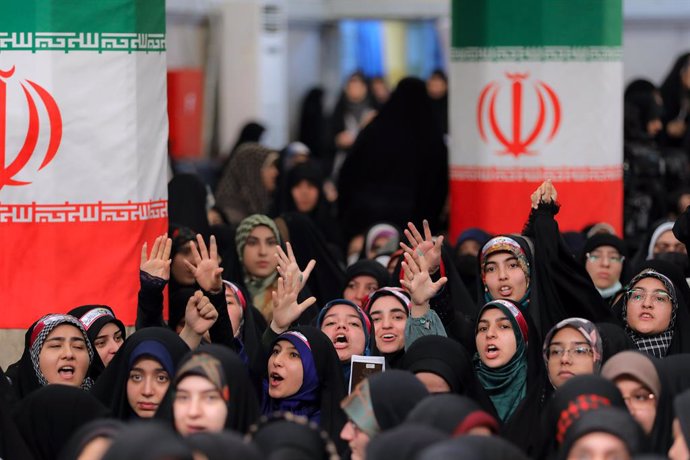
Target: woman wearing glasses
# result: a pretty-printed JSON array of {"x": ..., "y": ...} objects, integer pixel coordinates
[
  {"x": 603, "y": 257},
  {"x": 572, "y": 347},
  {"x": 651, "y": 317}
]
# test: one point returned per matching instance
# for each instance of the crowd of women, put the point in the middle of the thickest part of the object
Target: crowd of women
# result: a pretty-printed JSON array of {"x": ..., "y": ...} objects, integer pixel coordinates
[{"x": 535, "y": 345}]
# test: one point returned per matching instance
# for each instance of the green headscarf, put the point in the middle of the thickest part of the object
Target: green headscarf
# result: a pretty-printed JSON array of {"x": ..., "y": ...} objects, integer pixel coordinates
[
  {"x": 255, "y": 286},
  {"x": 506, "y": 385}
]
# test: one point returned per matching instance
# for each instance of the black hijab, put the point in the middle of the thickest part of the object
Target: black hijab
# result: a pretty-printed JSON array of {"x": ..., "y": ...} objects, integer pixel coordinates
[
  {"x": 676, "y": 338},
  {"x": 449, "y": 360},
  {"x": 575, "y": 397},
  {"x": 187, "y": 203},
  {"x": 292, "y": 437},
  {"x": 226, "y": 371},
  {"x": 150, "y": 440},
  {"x": 94, "y": 317},
  {"x": 312, "y": 124},
  {"x": 367, "y": 267},
  {"x": 614, "y": 421},
  {"x": 111, "y": 386},
  {"x": 453, "y": 414},
  {"x": 474, "y": 447},
  {"x": 99, "y": 428},
  {"x": 48, "y": 417},
  {"x": 673, "y": 93},
  {"x": 681, "y": 407},
  {"x": 331, "y": 386},
  {"x": 328, "y": 277},
  {"x": 383, "y": 400},
  {"x": 377, "y": 181},
  {"x": 219, "y": 446},
  {"x": 403, "y": 442},
  {"x": 12, "y": 446},
  {"x": 613, "y": 340},
  {"x": 674, "y": 377}
]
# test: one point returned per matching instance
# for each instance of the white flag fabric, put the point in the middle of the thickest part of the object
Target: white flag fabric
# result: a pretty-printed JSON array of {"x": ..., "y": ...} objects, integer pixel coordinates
[{"x": 83, "y": 141}]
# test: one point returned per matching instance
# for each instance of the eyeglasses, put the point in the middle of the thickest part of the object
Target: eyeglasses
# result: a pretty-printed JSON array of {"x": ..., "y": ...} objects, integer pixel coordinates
[
  {"x": 614, "y": 259},
  {"x": 640, "y": 399},
  {"x": 659, "y": 298},
  {"x": 554, "y": 352}
]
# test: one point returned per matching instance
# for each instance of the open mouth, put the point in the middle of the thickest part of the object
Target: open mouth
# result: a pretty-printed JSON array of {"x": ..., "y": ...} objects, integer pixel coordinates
[
  {"x": 66, "y": 372},
  {"x": 505, "y": 291},
  {"x": 340, "y": 341},
  {"x": 275, "y": 379},
  {"x": 646, "y": 316},
  {"x": 388, "y": 337},
  {"x": 491, "y": 351}
]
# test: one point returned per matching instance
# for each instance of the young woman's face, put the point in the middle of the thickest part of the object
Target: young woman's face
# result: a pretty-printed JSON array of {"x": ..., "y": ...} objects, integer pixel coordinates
[
  {"x": 357, "y": 440},
  {"x": 64, "y": 356},
  {"x": 389, "y": 318},
  {"x": 599, "y": 446},
  {"x": 503, "y": 277},
  {"x": 108, "y": 341},
  {"x": 285, "y": 371},
  {"x": 198, "y": 406},
  {"x": 359, "y": 287},
  {"x": 569, "y": 354},
  {"x": 495, "y": 338},
  {"x": 258, "y": 256},
  {"x": 234, "y": 310},
  {"x": 146, "y": 385},
  {"x": 604, "y": 265},
  {"x": 649, "y": 307},
  {"x": 679, "y": 450},
  {"x": 343, "y": 326},
  {"x": 640, "y": 401},
  {"x": 305, "y": 195}
]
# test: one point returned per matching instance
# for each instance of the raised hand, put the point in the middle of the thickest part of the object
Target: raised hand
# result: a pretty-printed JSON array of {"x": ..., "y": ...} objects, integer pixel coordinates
[
  {"x": 423, "y": 246},
  {"x": 200, "y": 314},
  {"x": 286, "y": 310},
  {"x": 206, "y": 267},
  {"x": 545, "y": 193},
  {"x": 158, "y": 262},
  {"x": 288, "y": 268},
  {"x": 418, "y": 282}
]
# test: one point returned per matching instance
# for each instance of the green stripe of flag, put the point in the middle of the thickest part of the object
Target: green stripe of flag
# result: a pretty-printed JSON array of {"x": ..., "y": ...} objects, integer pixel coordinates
[
  {"x": 83, "y": 16},
  {"x": 528, "y": 23}
]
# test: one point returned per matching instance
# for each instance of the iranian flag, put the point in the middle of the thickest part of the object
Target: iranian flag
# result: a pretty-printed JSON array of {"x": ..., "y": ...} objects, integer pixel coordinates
[
  {"x": 536, "y": 93},
  {"x": 83, "y": 138}
]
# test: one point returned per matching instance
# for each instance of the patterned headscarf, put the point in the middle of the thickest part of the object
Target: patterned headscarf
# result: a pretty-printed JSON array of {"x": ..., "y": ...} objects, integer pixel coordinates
[
  {"x": 208, "y": 367},
  {"x": 246, "y": 227},
  {"x": 42, "y": 329},
  {"x": 589, "y": 332},
  {"x": 655, "y": 345},
  {"x": 504, "y": 244}
]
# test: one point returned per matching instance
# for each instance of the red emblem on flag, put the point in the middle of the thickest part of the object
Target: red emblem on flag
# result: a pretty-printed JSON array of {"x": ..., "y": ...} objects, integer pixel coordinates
[
  {"x": 519, "y": 140},
  {"x": 9, "y": 170}
]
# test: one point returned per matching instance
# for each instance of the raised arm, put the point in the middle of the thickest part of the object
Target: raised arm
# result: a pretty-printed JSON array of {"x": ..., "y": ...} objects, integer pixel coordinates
[{"x": 154, "y": 273}]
